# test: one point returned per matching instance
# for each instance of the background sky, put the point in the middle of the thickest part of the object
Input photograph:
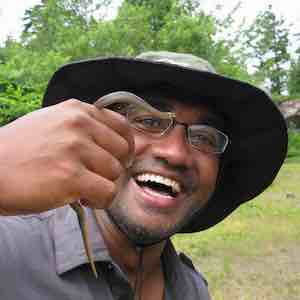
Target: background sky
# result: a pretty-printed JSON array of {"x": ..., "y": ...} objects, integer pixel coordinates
[{"x": 12, "y": 11}]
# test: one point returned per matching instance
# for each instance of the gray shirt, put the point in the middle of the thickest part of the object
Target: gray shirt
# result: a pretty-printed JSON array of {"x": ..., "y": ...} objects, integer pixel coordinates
[{"x": 42, "y": 257}]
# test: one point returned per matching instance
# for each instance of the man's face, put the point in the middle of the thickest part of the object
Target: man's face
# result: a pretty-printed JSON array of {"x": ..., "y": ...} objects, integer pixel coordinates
[{"x": 168, "y": 181}]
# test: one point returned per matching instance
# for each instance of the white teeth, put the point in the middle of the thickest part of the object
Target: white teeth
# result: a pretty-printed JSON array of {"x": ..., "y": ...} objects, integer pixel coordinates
[{"x": 160, "y": 179}]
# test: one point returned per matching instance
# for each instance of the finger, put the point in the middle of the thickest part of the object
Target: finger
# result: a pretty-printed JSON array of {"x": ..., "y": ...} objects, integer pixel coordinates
[
  {"x": 96, "y": 191},
  {"x": 79, "y": 111},
  {"x": 112, "y": 120},
  {"x": 100, "y": 161},
  {"x": 107, "y": 138},
  {"x": 120, "y": 124}
]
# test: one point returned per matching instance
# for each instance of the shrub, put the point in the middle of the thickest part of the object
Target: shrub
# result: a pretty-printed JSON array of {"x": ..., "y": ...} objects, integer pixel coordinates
[
  {"x": 294, "y": 143},
  {"x": 16, "y": 101}
]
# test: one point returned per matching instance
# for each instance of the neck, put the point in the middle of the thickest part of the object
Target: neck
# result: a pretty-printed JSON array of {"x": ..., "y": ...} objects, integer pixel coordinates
[{"x": 124, "y": 253}]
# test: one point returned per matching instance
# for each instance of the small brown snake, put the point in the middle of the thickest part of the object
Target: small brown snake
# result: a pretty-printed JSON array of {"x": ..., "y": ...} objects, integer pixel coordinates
[{"x": 112, "y": 98}]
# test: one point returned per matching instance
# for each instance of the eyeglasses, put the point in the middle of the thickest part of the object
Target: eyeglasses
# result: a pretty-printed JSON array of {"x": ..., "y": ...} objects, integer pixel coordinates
[{"x": 147, "y": 119}]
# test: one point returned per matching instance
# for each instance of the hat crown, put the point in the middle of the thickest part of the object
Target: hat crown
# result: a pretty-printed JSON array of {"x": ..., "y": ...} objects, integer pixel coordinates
[{"x": 181, "y": 59}]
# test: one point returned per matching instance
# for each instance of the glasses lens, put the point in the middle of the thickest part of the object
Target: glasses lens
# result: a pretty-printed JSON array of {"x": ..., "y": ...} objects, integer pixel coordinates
[
  {"x": 208, "y": 139},
  {"x": 146, "y": 121}
]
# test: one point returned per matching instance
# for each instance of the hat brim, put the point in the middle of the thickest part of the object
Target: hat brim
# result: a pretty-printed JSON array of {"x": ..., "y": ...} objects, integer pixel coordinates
[{"x": 257, "y": 129}]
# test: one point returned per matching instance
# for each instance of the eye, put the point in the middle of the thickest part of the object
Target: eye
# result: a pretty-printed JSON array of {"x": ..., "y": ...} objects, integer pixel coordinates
[
  {"x": 208, "y": 139},
  {"x": 200, "y": 138},
  {"x": 203, "y": 138},
  {"x": 149, "y": 123}
]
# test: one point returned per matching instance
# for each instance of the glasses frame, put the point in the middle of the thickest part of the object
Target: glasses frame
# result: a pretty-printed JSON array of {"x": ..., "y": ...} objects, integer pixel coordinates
[
  {"x": 123, "y": 97},
  {"x": 173, "y": 122}
]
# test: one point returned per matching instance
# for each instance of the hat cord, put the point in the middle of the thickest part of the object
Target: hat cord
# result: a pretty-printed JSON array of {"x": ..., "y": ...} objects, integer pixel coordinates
[{"x": 138, "y": 284}]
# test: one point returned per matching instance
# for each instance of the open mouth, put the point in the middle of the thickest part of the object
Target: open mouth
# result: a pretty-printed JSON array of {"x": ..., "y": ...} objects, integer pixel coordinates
[{"x": 160, "y": 184}]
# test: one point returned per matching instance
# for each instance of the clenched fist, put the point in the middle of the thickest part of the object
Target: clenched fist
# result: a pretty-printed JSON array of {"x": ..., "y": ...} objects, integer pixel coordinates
[{"x": 61, "y": 153}]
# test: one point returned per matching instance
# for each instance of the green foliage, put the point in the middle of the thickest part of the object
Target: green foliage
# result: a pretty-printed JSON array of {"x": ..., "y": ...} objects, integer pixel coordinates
[
  {"x": 133, "y": 31},
  {"x": 30, "y": 68},
  {"x": 157, "y": 10},
  {"x": 184, "y": 33},
  {"x": 294, "y": 144},
  {"x": 267, "y": 42},
  {"x": 57, "y": 32},
  {"x": 230, "y": 55},
  {"x": 16, "y": 101},
  {"x": 294, "y": 78},
  {"x": 280, "y": 98},
  {"x": 182, "y": 28}
]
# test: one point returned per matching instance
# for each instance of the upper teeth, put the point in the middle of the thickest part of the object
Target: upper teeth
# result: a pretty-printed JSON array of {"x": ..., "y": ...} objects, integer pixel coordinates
[{"x": 160, "y": 179}]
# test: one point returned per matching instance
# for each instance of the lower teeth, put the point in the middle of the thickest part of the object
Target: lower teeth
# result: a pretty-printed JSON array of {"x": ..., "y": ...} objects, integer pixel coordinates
[{"x": 158, "y": 188}]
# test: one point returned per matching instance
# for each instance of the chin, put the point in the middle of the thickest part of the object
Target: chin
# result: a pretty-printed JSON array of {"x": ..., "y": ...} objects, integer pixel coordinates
[{"x": 140, "y": 233}]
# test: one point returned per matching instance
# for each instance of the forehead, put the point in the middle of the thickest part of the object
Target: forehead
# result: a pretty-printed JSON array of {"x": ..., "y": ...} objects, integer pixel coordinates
[{"x": 187, "y": 111}]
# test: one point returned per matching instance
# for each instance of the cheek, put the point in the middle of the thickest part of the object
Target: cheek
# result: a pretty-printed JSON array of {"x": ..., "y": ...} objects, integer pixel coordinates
[
  {"x": 208, "y": 168},
  {"x": 140, "y": 143}
]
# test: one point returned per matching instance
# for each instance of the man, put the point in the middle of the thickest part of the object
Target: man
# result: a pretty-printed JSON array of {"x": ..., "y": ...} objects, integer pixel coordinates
[{"x": 218, "y": 144}]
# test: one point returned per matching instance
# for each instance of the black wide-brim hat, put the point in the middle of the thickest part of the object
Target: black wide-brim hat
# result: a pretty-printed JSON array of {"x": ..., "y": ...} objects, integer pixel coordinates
[{"x": 256, "y": 128}]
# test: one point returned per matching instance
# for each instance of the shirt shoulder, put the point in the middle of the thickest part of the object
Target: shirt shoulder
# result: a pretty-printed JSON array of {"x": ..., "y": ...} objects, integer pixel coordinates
[
  {"x": 22, "y": 239},
  {"x": 183, "y": 280},
  {"x": 195, "y": 278},
  {"x": 42, "y": 257},
  {"x": 189, "y": 263}
]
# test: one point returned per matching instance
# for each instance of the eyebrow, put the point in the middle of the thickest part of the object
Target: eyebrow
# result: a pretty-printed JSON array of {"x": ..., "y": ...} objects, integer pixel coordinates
[
  {"x": 159, "y": 102},
  {"x": 213, "y": 120},
  {"x": 162, "y": 103},
  {"x": 157, "y": 99}
]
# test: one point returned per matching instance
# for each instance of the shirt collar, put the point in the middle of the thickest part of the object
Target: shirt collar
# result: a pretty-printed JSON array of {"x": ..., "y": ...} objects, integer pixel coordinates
[
  {"x": 70, "y": 252},
  {"x": 68, "y": 243}
]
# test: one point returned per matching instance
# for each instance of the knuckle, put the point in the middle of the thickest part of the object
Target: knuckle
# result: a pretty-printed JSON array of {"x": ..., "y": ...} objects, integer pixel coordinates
[
  {"x": 72, "y": 103},
  {"x": 119, "y": 121},
  {"x": 73, "y": 144},
  {"x": 67, "y": 172},
  {"x": 95, "y": 111},
  {"x": 77, "y": 119}
]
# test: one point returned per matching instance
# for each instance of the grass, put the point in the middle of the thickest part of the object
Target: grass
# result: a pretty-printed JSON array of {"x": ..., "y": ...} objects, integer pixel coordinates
[{"x": 255, "y": 253}]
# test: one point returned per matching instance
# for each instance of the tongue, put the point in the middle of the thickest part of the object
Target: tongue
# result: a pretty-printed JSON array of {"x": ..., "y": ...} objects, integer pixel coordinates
[{"x": 157, "y": 192}]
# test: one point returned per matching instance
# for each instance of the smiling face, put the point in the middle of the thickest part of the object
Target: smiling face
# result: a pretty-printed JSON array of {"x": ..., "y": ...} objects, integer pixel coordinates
[{"x": 168, "y": 181}]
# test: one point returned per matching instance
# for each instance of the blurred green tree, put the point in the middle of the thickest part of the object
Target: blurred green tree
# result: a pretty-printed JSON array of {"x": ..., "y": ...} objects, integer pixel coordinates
[
  {"x": 267, "y": 41},
  {"x": 294, "y": 79}
]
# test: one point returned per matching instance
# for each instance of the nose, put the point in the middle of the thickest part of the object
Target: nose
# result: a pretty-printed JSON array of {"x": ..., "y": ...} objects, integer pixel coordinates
[{"x": 174, "y": 148}]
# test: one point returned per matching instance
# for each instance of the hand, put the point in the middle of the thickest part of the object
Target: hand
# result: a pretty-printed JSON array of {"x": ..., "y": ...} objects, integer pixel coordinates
[{"x": 62, "y": 153}]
